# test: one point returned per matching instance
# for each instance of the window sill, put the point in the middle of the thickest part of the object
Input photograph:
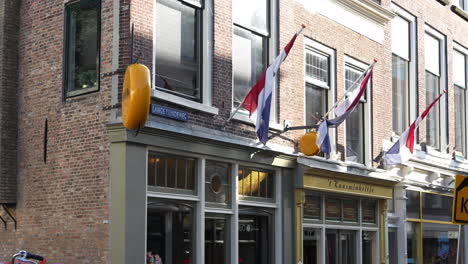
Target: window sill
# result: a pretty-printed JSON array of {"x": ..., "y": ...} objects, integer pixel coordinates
[
  {"x": 457, "y": 10},
  {"x": 184, "y": 102},
  {"x": 245, "y": 119},
  {"x": 81, "y": 92}
]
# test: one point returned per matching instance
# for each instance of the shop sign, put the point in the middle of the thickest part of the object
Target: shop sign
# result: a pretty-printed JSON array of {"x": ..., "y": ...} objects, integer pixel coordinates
[
  {"x": 346, "y": 186},
  {"x": 460, "y": 200},
  {"x": 169, "y": 112}
]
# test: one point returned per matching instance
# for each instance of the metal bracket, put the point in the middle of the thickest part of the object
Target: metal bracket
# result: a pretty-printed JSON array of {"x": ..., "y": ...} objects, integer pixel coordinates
[
  {"x": 10, "y": 215},
  {"x": 4, "y": 222}
]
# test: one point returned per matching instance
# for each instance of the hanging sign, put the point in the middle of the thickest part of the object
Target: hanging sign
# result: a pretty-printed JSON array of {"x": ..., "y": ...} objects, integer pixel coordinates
[{"x": 460, "y": 200}]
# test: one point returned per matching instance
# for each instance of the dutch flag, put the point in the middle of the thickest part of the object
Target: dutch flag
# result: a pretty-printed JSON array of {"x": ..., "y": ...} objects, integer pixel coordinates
[
  {"x": 258, "y": 100},
  {"x": 402, "y": 150}
]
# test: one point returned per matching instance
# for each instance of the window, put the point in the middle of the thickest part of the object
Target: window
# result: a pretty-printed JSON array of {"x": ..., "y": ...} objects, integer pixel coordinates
[
  {"x": 256, "y": 183},
  {"x": 178, "y": 46},
  {"x": 169, "y": 171},
  {"x": 250, "y": 45},
  {"x": 217, "y": 184},
  {"x": 463, "y": 4},
  {"x": 319, "y": 69},
  {"x": 400, "y": 73},
  {"x": 82, "y": 42},
  {"x": 355, "y": 125},
  {"x": 436, "y": 133},
  {"x": 460, "y": 85}
]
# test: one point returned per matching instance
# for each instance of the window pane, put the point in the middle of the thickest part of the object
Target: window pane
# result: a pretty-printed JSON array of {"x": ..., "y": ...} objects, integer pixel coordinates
[
  {"x": 432, "y": 54},
  {"x": 311, "y": 245},
  {"x": 251, "y": 14},
  {"x": 412, "y": 204},
  {"x": 249, "y": 59},
  {"x": 171, "y": 171},
  {"x": 437, "y": 207},
  {"x": 253, "y": 239},
  {"x": 333, "y": 209},
  {"x": 392, "y": 246},
  {"x": 256, "y": 183},
  {"x": 177, "y": 48},
  {"x": 317, "y": 66},
  {"x": 216, "y": 240},
  {"x": 169, "y": 233},
  {"x": 460, "y": 119},
  {"x": 400, "y": 37},
  {"x": 369, "y": 207},
  {"x": 411, "y": 242},
  {"x": 312, "y": 207},
  {"x": 355, "y": 135},
  {"x": 350, "y": 210},
  {"x": 82, "y": 46},
  {"x": 459, "y": 69},
  {"x": 400, "y": 85},
  {"x": 440, "y": 243},
  {"x": 369, "y": 247},
  {"x": 433, "y": 117},
  {"x": 316, "y": 103},
  {"x": 217, "y": 186}
]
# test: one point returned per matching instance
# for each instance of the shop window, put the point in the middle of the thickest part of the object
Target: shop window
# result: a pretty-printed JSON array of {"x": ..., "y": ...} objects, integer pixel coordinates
[
  {"x": 369, "y": 209},
  {"x": 412, "y": 204},
  {"x": 440, "y": 243},
  {"x": 250, "y": 45},
  {"x": 82, "y": 42},
  {"x": 217, "y": 184},
  {"x": 392, "y": 246},
  {"x": 411, "y": 242},
  {"x": 333, "y": 209},
  {"x": 178, "y": 45},
  {"x": 256, "y": 183},
  {"x": 170, "y": 235},
  {"x": 341, "y": 246},
  {"x": 312, "y": 207},
  {"x": 311, "y": 245},
  {"x": 436, "y": 207},
  {"x": 369, "y": 247},
  {"x": 216, "y": 240},
  {"x": 254, "y": 239},
  {"x": 173, "y": 172},
  {"x": 350, "y": 210}
]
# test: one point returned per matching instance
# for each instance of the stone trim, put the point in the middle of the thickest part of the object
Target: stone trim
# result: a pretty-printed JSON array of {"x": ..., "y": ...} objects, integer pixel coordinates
[{"x": 370, "y": 10}]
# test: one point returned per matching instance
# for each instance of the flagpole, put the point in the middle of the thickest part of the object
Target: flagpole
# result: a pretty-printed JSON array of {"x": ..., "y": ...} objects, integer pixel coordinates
[
  {"x": 240, "y": 105},
  {"x": 352, "y": 87}
]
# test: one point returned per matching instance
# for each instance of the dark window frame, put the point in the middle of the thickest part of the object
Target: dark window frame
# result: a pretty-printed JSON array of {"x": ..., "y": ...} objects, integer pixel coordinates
[
  {"x": 66, "y": 48},
  {"x": 199, "y": 19}
]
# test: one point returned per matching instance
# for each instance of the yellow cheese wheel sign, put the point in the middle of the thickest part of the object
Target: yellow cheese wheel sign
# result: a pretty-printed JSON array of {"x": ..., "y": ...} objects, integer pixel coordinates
[
  {"x": 136, "y": 96},
  {"x": 307, "y": 144}
]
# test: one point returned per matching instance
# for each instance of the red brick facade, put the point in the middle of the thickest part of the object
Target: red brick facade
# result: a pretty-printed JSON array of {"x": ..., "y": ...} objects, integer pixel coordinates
[{"x": 62, "y": 205}]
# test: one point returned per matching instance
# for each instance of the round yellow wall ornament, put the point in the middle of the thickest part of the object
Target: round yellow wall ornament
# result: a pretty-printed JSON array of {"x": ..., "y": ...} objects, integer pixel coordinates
[
  {"x": 136, "y": 96},
  {"x": 307, "y": 144}
]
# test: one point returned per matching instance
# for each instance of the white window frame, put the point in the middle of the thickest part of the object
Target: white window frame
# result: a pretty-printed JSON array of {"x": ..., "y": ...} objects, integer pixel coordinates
[
  {"x": 272, "y": 54},
  {"x": 309, "y": 43},
  {"x": 442, "y": 86},
  {"x": 200, "y": 210},
  {"x": 465, "y": 4},
  {"x": 207, "y": 57},
  {"x": 412, "y": 93},
  {"x": 367, "y": 112},
  {"x": 461, "y": 49}
]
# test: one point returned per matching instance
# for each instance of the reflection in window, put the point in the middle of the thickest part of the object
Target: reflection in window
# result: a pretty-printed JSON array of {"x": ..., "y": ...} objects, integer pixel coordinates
[
  {"x": 317, "y": 75},
  {"x": 82, "y": 47},
  {"x": 369, "y": 209},
  {"x": 316, "y": 103},
  {"x": 355, "y": 122},
  {"x": 437, "y": 207},
  {"x": 411, "y": 242},
  {"x": 254, "y": 240},
  {"x": 171, "y": 171},
  {"x": 177, "y": 48},
  {"x": 412, "y": 204},
  {"x": 350, "y": 210},
  {"x": 440, "y": 243},
  {"x": 312, "y": 207},
  {"x": 170, "y": 232},
  {"x": 216, "y": 242},
  {"x": 256, "y": 182},
  {"x": 217, "y": 187},
  {"x": 369, "y": 248},
  {"x": 340, "y": 246},
  {"x": 311, "y": 246},
  {"x": 392, "y": 246},
  {"x": 400, "y": 85},
  {"x": 333, "y": 209},
  {"x": 250, "y": 45},
  {"x": 460, "y": 81},
  {"x": 433, "y": 117}
]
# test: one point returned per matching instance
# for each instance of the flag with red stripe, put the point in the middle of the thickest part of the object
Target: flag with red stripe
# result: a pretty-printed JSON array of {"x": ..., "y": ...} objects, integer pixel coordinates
[
  {"x": 258, "y": 100},
  {"x": 403, "y": 149}
]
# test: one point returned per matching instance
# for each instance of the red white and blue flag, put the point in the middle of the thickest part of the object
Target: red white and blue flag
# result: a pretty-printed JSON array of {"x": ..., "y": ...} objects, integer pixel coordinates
[
  {"x": 402, "y": 150},
  {"x": 258, "y": 100},
  {"x": 342, "y": 112}
]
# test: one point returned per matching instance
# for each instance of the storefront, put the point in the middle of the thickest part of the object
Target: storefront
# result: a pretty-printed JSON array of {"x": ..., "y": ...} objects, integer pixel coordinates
[
  {"x": 341, "y": 218},
  {"x": 187, "y": 200}
]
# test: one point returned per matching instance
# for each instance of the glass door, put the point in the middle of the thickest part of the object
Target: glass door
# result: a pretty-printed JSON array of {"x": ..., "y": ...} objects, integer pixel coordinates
[
  {"x": 216, "y": 239},
  {"x": 340, "y": 246},
  {"x": 254, "y": 243},
  {"x": 311, "y": 245}
]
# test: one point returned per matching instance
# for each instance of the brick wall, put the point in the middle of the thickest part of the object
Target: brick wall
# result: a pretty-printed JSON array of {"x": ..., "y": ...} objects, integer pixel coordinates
[{"x": 9, "y": 25}]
